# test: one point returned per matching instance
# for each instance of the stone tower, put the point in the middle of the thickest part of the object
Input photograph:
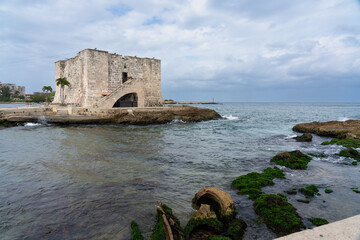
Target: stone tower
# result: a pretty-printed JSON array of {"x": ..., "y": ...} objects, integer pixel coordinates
[{"x": 105, "y": 80}]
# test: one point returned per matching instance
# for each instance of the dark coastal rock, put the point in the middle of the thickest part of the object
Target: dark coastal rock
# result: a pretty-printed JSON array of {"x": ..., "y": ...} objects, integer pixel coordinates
[
  {"x": 306, "y": 137},
  {"x": 293, "y": 160},
  {"x": 278, "y": 214},
  {"x": 350, "y": 128}
]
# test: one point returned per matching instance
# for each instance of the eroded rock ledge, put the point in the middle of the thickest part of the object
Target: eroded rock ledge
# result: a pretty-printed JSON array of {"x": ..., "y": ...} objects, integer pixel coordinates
[
  {"x": 76, "y": 115},
  {"x": 350, "y": 128}
]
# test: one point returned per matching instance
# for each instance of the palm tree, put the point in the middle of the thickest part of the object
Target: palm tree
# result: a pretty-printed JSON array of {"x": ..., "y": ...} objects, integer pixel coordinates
[
  {"x": 62, "y": 82},
  {"x": 47, "y": 90}
]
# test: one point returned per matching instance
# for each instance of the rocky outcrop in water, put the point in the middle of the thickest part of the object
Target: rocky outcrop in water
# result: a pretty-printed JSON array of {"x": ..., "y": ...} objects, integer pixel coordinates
[
  {"x": 76, "y": 115},
  {"x": 293, "y": 160},
  {"x": 350, "y": 128},
  {"x": 306, "y": 137}
]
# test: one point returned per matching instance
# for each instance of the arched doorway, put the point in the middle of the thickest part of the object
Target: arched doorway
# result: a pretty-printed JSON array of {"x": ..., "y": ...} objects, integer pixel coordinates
[{"x": 128, "y": 100}]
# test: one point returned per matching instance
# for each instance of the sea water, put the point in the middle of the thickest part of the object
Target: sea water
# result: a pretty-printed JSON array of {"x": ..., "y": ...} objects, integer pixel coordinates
[{"x": 91, "y": 181}]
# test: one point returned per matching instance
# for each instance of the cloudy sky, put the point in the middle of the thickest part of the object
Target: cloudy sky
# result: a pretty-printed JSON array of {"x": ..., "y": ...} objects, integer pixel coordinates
[{"x": 232, "y": 50}]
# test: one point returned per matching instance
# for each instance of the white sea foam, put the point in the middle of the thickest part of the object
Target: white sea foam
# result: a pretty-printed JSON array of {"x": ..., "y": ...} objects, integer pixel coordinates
[
  {"x": 177, "y": 121},
  {"x": 32, "y": 124},
  {"x": 230, "y": 117},
  {"x": 290, "y": 136},
  {"x": 343, "y": 119}
]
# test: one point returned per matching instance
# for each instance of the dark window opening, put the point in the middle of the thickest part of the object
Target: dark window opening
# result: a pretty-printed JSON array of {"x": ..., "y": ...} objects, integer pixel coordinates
[
  {"x": 128, "y": 100},
  {"x": 124, "y": 77}
]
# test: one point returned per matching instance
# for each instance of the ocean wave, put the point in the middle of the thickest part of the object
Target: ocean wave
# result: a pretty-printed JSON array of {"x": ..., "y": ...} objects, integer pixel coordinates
[
  {"x": 343, "y": 119},
  {"x": 230, "y": 117}
]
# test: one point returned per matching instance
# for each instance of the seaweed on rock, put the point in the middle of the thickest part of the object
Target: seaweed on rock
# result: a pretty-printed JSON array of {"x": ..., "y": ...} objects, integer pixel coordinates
[
  {"x": 278, "y": 214},
  {"x": 310, "y": 190},
  {"x": 318, "y": 221},
  {"x": 136, "y": 234},
  {"x": 293, "y": 160},
  {"x": 252, "y": 183},
  {"x": 350, "y": 153},
  {"x": 166, "y": 224},
  {"x": 328, "y": 190},
  {"x": 346, "y": 142}
]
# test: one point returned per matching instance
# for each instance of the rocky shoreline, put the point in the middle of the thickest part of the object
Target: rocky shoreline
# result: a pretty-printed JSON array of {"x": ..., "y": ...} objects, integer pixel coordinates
[{"x": 77, "y": 115}]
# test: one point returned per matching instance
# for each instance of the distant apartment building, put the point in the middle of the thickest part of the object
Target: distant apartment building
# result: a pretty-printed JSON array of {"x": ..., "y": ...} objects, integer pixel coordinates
[{"x": 13, "y": 88}]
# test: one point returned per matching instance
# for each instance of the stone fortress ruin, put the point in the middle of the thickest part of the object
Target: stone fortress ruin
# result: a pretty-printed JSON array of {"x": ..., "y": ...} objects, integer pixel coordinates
[{"x": 99, "y": 79}]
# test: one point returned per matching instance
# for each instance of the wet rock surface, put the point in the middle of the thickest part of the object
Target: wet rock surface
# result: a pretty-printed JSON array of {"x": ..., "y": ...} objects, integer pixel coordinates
[
  {"x": 293, "y": 160},
  {"x": 306, "y": 137},
  {"x": 135, "y": 116},
  {"x": 351, "y": 128}
]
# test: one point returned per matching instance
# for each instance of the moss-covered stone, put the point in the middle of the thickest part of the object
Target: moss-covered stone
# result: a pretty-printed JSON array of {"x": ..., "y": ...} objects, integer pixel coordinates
[
  {"x": 252, "y": 183},
  {"x": 318, "y": 221},
  {"x": 236, "y": 229},
  {"x": 158, "y": 232},
  {"x": 291, "y": 192},
  {"x": 354, "y": 163},
  {"x": 350, "y": 153},
  {"x": 8, "y": 124},
  {"x": 136, "y": 234},
  {"x": 219, "y": 238},
  {"x": 346, "y": 142},
  {"x": 355, "y": 190},
  {"x": 278, "y": 214},
  {"x": 328, "y": 190},
  {"x": 303, "y": 201},
  {"x": 212, "y": 224},
  {"x": 293, "y": 160},
  {"x": 310, "y": 190}
]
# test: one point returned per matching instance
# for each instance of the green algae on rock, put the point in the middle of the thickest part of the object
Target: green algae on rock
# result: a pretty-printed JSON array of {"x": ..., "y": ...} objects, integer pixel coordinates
[
  {"x": 278, "y": 214},
  {"x": 252, "y": 183},
  {"x": 310, "y": 190},
  {"x": 236, "y": 229},
  {"x": 136, "y": 234},
  {"x": 346, "y": 142},
  {"x": 350, "y": 153},
  {"x": 355, "y": 190},
  {"x": 219, "y": 238},
  {"x": 293, "y": 160},
  {"x": 318, "y": 221},
  {"x": 166, "y": 224},
  {"x": 212, "y": 224},
  {"x": 291, "y": 192},
  {"x": 328, "y": 190}
]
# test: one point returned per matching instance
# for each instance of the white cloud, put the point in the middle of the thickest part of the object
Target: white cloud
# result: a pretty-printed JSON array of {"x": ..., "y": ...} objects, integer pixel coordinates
[{"x": 203, "y": 44}]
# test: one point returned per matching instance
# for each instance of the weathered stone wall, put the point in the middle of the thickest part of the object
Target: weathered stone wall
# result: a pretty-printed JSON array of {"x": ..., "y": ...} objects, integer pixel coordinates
[{"x": 93, "y": 74}]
